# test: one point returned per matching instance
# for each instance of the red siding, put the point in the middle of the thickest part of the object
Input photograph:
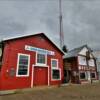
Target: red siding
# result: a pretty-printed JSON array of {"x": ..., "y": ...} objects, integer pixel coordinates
[{"x": 11, "y": 50}]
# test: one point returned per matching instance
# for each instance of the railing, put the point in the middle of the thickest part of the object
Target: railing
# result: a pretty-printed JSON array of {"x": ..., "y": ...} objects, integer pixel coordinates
[{"x": 83, "y": 67}]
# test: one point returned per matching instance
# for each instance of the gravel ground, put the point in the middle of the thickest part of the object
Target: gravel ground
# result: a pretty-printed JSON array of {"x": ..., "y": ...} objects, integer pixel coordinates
[{"x": 70, "y": 92}]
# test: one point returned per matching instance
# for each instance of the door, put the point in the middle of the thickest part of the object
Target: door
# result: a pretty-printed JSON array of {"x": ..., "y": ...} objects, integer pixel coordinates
[
  {"x": 67, "y": 76},
  {"x": 40, "y": 76}
]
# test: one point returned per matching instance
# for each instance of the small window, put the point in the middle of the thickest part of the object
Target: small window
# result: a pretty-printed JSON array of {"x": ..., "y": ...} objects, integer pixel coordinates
[
  {"x": 82, "y": 60},
  {"x": 54, "y": 63},
  {"x": 23, "y": 64},
  {"x": 93, "y": 75},
  {"x": 56, "y": 74},
  {"x": 91, "y": 62},
  {"x": 82, "y": 75},
  {"x": 41, "y": 59}
]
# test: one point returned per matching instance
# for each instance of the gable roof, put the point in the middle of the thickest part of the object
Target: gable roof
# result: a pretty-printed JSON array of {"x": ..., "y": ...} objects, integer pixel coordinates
[
  {"x": 75, "y": 52},
  {"x": 25, "y": 36}
]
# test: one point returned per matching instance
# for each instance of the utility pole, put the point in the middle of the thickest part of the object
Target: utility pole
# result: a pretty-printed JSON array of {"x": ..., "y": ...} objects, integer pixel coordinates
[{"x": 61, "y": 24}]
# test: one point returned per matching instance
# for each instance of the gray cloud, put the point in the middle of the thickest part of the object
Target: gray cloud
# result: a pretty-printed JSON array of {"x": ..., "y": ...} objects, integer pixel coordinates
[{"x": 81, "y": 20}]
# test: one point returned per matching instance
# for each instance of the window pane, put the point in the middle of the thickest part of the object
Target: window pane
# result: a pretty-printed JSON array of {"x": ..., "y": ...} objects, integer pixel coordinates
[
  {"x": 23, "y": 65},
  {"x": 23, "y": 59},
  {"x": 41, "y": 58},
  {"x": 92, "y": 75},
  {"x": 22, "y": 72},
  {"x": 82, "y": 60},
  {"x": 82, "y": 76},
  {"x": 54, "y": 63},
  {"x": 55, "y": 74},
  {"x": 91, "y": 62}
]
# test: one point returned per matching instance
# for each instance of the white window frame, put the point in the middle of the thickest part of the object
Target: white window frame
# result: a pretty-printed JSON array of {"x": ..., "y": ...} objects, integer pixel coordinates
[
  {"x": 52, "y": 74},
  {"x": 18, "y": 65},
  {"x": 57, "y": 64},
  {"x": 40, "y": 64},
  {"x": 85, "y": 75},
  {"x": 55, "y": 68}
]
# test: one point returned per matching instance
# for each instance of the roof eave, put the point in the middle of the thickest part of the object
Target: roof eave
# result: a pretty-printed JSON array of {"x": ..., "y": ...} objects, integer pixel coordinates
[{"x": 9, "y": 39}]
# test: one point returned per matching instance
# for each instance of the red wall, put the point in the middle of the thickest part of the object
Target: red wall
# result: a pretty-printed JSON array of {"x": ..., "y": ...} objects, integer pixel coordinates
[{"x": 11, "y": 50}]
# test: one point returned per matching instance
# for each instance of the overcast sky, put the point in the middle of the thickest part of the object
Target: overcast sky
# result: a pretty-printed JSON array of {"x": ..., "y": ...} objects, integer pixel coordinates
[{"x": 81, "y": 20}]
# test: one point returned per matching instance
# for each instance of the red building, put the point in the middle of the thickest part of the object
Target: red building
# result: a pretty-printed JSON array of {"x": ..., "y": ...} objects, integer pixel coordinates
[
  {"x": 80, "y": 66},
  {"x": 30, "y": 61}
]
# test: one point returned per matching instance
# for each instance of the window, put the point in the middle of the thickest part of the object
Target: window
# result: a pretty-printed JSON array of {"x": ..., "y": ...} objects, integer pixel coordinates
[
  {"x": 91, "y": 62},
  {"x": 93, "y": 75},
  {"x": 82, "y": 60},
  {"x": 23, "y": 65},
  {"x": 82, "y": 75},
  {"x": 54, "y": 63},
  {"x": 55, "y": 69},
  {"x": 55, "y": 73},
  {"x": 41, "y": 59}
]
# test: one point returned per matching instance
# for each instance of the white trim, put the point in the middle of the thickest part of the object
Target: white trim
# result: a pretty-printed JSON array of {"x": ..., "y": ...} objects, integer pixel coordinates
[
  {"x": 40, "y": 50},
  {"x": 52, "y": 76},
  {"x": 48, "y": 76},
  {"x": 39, "y": 64},
  {"x": 32, "y": 77},
  {"x": 18, "y": 65},
  {"x": 55, "y": 68},
  {"x": 57, "y": 64}
]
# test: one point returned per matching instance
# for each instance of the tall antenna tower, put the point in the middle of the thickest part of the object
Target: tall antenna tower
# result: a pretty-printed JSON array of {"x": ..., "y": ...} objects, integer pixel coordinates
[{"x": 61, "y": 24}]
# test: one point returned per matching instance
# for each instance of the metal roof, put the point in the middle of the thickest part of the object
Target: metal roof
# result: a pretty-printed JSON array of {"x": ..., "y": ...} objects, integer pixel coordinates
[{"x": 74, "y": 52}]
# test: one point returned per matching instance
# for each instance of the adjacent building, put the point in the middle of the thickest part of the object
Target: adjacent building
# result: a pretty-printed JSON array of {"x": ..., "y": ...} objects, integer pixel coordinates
[
  {"x": 29, "y": 61},
  {"x": 97, "y": 55},
  {"x": 80, "y": 66}
]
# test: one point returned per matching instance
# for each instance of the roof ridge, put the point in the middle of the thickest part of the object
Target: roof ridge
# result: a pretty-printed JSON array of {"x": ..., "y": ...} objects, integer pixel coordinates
[
  {"x": 13, "y": 38},
  {"x": 78, "y": 48},
  {"x": 74, "y": 52}
]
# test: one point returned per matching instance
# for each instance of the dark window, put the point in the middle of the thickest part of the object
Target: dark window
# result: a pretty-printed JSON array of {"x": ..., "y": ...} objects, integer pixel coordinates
[
  {"x": 41, "y": 59},
  {"x": 23, "y": 65},
  {"x": 56, "y": 74},
  {"x": 93, "y": 75},
  {"x": 82, "y": 75}
]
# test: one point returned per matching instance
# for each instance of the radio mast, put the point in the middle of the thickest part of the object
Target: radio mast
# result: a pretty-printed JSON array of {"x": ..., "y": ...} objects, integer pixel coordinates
[{"x": 61, "y": 25}]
